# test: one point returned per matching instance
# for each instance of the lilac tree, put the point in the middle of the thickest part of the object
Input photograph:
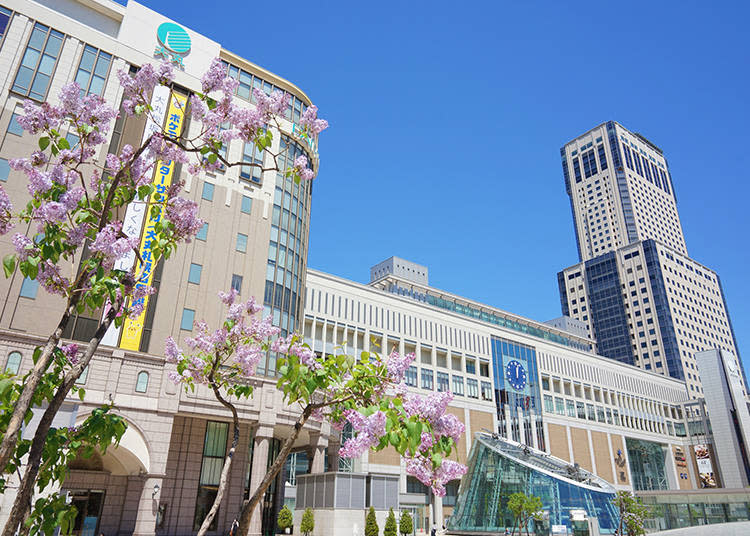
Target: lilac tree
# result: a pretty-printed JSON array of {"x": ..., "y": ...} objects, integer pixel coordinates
[
  {"x": 367, "y": 392},
  {"x": 76, "y": 240}
]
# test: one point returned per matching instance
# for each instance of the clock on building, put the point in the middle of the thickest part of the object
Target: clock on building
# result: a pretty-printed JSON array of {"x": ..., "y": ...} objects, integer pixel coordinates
[{"x": 516, "y": 375}]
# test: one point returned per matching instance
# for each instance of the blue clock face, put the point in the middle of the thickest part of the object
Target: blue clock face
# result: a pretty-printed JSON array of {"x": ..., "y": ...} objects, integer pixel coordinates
[{"x": 516, "y": 375}]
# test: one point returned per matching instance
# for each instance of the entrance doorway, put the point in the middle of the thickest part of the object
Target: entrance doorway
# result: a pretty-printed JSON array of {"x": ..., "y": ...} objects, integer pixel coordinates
[{"x": 89, "y": 505}]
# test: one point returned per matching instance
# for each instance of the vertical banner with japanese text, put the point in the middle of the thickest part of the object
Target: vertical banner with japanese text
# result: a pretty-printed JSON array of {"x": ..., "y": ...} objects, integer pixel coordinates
[
  {"x": 132, "y": 329},
  {"x": 133, "y": 222}
]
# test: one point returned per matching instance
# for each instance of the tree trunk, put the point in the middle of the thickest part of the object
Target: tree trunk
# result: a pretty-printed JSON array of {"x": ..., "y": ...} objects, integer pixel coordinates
[
  {"x": 24, "y": 402},
  {"x": 249, "y": 506},
  {"x": 227, "y": 463},
  {"x": 26, "y": 488}
]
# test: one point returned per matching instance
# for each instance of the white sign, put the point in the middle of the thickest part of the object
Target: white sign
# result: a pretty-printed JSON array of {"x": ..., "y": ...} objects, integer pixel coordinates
[{"x": 133, "y": 221}]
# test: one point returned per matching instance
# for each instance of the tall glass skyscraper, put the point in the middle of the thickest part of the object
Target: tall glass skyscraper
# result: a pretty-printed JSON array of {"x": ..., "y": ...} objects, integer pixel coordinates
[{"x": 644, "y": 300}]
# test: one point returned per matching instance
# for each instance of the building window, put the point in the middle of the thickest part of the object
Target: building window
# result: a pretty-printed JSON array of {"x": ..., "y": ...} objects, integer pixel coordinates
[
  {"x": 5, "y": 15},
  {"x": 194, "y": 276},
  {"x": 484, "y": 369},
  {"x": 93, "y": 70},
  {"x": 4, "y": 169},
  {"x": 442, "y": 381},
  {"x": 570, "y": 407},
  {"x": 237, "y": 283},
  {"x": 188, "y": 317},
  {"x": 427, "y": 380},
  {"x": 487, "y": 391},
  {"x": 472, "y": 388},
  {"x": 411, "y": 376},
  {"x": 83, "y": 377},
  {"x": 241, "y": 243},
  {"x": 247, "y": 205},
  {"x": 13, "y": 365},
  {"x": 14, "y": 127},
  {"x": 202, "y": 233},
  {"x": 458, "y": 385},
  {"x": 451, "y": 493},
  {"x": 415, "y": 486},
  {"x": 214, "y": 449},
  {"x": 602, "y": 157},
  {"x": 38, "y": 63},
  {"x": 29, "y": 288},
  {"x": 251, "y": 155},
  {"x": 141, "y": 383},
  {"x": 559, "y": 406},
  {"x": 208, "y": 191}
]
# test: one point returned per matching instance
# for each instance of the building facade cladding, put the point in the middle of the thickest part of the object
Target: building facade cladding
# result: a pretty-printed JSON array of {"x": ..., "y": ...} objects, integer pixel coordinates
[
  {"x": 573, "y": 404},
  {"x": 673, "y": 307},
  {"x": 620, "y": 191},
  {"x": 255, "y": 222}
]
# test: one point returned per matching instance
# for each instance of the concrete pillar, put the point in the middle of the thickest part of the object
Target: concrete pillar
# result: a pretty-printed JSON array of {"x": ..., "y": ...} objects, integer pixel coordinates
[
  {"x": 263, "y": 436},
  {"x": 437, "y": 511},
  {"x": 318, "y": 445},
  {"x": 148, "y": 502}
]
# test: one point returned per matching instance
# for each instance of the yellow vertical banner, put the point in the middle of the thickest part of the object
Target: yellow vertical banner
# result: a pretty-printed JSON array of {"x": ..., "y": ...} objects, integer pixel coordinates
[{"x": 132, "y": 329}]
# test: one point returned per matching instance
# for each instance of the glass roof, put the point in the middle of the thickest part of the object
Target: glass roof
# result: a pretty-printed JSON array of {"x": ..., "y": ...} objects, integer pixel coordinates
[{"x": 541, "y": 461}]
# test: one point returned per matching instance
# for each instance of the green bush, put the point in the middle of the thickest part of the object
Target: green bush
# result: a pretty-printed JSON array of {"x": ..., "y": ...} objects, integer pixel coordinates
[
  {"x": 390, "y": 524},
  {"x": 405, "y": 525},
  {"x": 308, "y": 522},
  {"x": 371, "y": 524},
  {"x": 285, "y": 520}
]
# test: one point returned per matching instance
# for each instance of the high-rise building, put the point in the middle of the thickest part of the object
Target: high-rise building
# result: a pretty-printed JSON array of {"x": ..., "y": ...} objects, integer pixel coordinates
[
  {"x": 645, "y": 302},
  {"x": 620, "y": 191}
]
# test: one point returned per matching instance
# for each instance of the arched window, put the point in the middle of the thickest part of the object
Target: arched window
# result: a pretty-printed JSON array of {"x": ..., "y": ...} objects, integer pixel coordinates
[
  {"x": 141, "y": 383},
  {"x": 14, "y": 363}
]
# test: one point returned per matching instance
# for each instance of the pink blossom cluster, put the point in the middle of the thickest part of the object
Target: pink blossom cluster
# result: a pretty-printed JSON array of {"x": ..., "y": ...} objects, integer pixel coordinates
[
  {"x": 368, "y": 430},
  {"x": 291, "y": 346},
  {"x": 138, "y": 87},
  {"x": 421, "y": 468},
  {"x": 70, "y": 351},
  {"x": 50, "y": 278},
  {"x": 310, "y": 121},
  {"x": 243, "y": 336},
  {"x": 433, "y": 409},
  {"x": 113, "y": 243},
  {"x": 183, "y": 214},
  {"x": 397, "y": 365},
  {"x": 6, "y": 208},
  {"x": 301, "y": 168}
]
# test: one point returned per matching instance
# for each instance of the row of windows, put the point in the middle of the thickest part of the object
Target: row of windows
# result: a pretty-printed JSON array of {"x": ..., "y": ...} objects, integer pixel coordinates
[
  {"x": 444, "y": 383},
  {"x": 40, "y": 59},
  {"x": 248, "y": 82},
  {"x": 13, "y": 365}
]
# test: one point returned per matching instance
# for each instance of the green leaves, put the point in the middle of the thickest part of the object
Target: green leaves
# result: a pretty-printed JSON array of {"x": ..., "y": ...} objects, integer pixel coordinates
[
  {"x": 9, "y": 264},
  {"x": 43, "y": 143}
]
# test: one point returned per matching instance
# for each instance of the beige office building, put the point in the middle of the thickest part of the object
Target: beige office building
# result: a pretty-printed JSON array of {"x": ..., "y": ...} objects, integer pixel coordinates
[{"x": 643, "y": 300}]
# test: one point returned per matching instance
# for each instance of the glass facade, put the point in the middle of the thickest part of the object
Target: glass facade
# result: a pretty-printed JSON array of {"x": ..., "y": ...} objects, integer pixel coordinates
[
  {"x": 287, "y": 249},
  {"x": 666, "y": 513},
  {"x": 497, "y": 469},
  {"x": 516, "y": 390},
  {"x": 661, "y": 304},
  {"x": 647, "y": 464},
  {"x": 607, "y": 309}
]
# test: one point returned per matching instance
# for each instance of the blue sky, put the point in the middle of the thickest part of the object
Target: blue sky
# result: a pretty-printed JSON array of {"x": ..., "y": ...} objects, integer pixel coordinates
[{"x": 447, "y": 119}]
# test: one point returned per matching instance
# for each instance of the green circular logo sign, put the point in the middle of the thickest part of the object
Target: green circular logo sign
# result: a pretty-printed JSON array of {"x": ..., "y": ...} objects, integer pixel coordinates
[{"x": 174, "y": 37}]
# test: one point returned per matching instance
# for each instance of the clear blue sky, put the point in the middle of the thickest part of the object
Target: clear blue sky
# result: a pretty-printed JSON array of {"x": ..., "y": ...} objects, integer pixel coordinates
[{"x": 447, "y": 119}]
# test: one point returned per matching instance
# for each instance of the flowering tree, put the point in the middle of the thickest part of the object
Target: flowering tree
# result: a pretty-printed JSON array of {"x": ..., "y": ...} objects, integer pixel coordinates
[
  {"x": 78, "y": 197},
  {"x": 367, "y": 393},
  {"x": 632, "y": 514}
]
